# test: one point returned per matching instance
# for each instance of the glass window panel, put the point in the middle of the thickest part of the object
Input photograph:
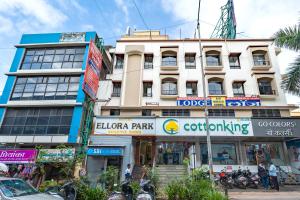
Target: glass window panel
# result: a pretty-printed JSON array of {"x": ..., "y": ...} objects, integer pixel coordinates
[
  {"x": 52, "y": 130},
  {"x": 66, "y": 58},
  {"x": 80, "y": 51},
  {"x": 28, "y": 59},
  {"x": 54, "y": 120},
  {"x": 40, "y": 52},
  {"x": 58, "y": 58},
  {"x": 30, "y": 52},
  {"x": 60, "y": 51},
  {"x": 31, "y": 120},
  {"x": 67, "y": 112},
  {"x": 21, "y": 112},
  {"x": 26, "y": 66},
  {"x": 49, "y": 95},
  {"x": 16, "y": 130},
  {"x": 38, "y": 95},
  {"x": 8, "y": 121},
  {"x": 27, "y": 95},
  {"x": 71, "y": 58},
  {"x": 48, "y": 58},
  {"x": 32, "y": 80},
  {"x": 20, "y": 121},
  {"x": 74, "y": 79},
  {"x": 43, "y": 120},
  {"x": 67, "y": 65},
  {"x": 5, "y": 130},
  {"x": 41, "y": 58},
  {"x": 77, "y": 64},
  {"x": 64, "y": 130},
  {"x": 39, "y": 79},
  {"x": 73, "y": 87},
  {"x": 29, "y": 130},
  {"x": 56, "y": 65},
  {"x": 53, "y": 79},
  {"x": 36, "y": 66},
  {"x": 40, "y": 130},
  {"x": 223, "y": 154},
  {"x": 60, "y": 95},
  {"x": 33, "y": 112},
  {"x": 50, "y": 51},
  {"x": 35, "y": 59},
  {"x": 51, "y": 87},
  {"x": 62, "y": 87},
  {"x": 16, "y": 96},
  {"x": 66, "y": 120},
  {"x": 29, "y": 88},
  {"x": 21, "y": 80},
  {"x": 70, "y": 51},
  {"x": 72, "y": 95},
  {"x": 78, "y": 57},
  {"x": 40, "y": 87},
  {"x": 19, "y": 88},
  {"x": 11, "y": 113}
]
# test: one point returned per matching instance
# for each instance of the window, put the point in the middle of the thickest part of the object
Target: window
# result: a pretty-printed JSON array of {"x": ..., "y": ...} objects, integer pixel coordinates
[
  {"x": 37, "y": 121},
  {"x": 221, "y": 113},
  {"x": 146, "y": 112},
  {"x": 147, "y": 89},
  {"x": 169, "y": 59},
  {"x": 238, "y": 89},
  {"x": 222, "y": 154},
  {"x": 169, "y": 86},
  {"x": 120, "y": 61},
  {"x": 270, "y": 113},
  {"x": 148, "y": 61},
  {"x": 175, "y": 112},
  {"x": 190, "y": 62},
  {"x": 115, "y": 112},
  {"x": 213, "y": 58},
  {"x": 259, "y": 58},
  {"x": 53, "y": 58},
  {"x": 116, "y": 89},
  {"x": 46, "y": 88},
  {"x": 215, "y": 87},
  {"x": 264, "y": 152},
  {"x": 265, "y": 87},
  {"x": 191, "y": 89},
  {"x": 234, "y": 62}
]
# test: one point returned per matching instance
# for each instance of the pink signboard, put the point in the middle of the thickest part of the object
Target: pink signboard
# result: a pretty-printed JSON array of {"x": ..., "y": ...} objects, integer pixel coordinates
[{"x": 17, "y": 156}]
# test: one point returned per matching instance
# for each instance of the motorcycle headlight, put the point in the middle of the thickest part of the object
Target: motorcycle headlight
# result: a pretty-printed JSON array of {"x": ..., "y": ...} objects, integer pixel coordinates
[{"x": 144, "y": 197}]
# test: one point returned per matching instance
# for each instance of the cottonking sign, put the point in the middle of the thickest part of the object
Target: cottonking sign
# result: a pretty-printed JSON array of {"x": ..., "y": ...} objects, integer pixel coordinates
[{"x": 198, "y": 127}]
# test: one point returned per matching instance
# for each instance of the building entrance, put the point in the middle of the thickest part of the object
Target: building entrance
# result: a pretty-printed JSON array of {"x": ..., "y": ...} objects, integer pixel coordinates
[{"x": 144, "y": 152}]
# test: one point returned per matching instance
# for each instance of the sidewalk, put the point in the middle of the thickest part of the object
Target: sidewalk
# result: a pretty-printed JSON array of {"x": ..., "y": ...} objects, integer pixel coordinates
[{"x": 286, "y": 193}]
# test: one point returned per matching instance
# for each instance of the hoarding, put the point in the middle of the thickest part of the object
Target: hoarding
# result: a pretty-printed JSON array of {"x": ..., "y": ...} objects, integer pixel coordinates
[
  {"x": 18, "y": 156},
  {"x": 55, "y": 155},
  {"x": 92, "y": 71}
]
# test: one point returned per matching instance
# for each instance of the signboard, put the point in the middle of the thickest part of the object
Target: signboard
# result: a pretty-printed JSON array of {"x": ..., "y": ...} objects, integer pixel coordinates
[
  {"x": 173, "y": 126},
  {"x": 56, "y": 155},
  {"x": 17, "y": 156},
  {"x": 92, "y": 71},
  {"x": 72, "y": 37},
  {"x": 219, "y": 101},
  {"x": 276, "y": 127},
  {"x": 105, "y": 152},
  {"x": 125, "y": 126},
  {"x": 197, "y": 127}
]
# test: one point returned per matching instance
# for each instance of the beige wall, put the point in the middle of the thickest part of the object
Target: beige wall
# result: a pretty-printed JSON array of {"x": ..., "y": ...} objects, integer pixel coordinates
[
  {"x": 285, "y": 113},
  {"x": 197, "y": 113},
  {"x": 131, "y": 113},
  {"x": 243, "y": 113}
]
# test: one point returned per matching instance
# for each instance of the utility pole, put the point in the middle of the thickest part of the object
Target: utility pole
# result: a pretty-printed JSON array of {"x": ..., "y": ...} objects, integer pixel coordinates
[{"x": 209, "y": 150}]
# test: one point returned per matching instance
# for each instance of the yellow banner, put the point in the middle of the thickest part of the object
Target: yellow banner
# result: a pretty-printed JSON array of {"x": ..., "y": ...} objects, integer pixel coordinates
[{"x": 218, "y": 101}]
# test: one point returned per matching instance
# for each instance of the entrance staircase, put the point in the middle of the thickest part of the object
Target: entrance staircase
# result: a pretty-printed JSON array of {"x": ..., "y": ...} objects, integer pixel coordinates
[
  {"x": 137, "y": 172},
  {"x": 167, "y": 173}
]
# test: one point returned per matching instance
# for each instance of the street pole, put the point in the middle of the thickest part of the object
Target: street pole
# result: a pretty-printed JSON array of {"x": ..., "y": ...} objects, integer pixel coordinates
[{"x": 209, "y": 151}]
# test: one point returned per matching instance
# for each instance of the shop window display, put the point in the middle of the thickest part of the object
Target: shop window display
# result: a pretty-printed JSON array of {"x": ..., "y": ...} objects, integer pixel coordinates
[
  {"x": 223, "y": 154},
  {"x": 266, "y": 153},
  {"x": 172, "y": 153}
]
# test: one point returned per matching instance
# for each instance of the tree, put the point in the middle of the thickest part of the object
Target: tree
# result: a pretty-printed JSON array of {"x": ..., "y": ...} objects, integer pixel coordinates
[{"x": 290, "y": 38}]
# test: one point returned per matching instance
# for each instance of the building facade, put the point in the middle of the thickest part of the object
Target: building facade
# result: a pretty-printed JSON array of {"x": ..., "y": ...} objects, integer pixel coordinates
[
  {"x": 43, "y": 101},
  {"x": 156, "y": 107}
]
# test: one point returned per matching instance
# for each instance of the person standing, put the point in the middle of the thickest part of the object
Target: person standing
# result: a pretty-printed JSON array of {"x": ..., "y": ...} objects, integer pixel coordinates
[
  {"x": 263, "y": 174},
  {"x": 128, "y": 175},
  {"x": 273, "y": 176}
]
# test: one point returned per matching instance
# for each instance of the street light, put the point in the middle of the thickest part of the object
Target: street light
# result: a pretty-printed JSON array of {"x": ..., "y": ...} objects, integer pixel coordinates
[{"x": 209, "y": 150}]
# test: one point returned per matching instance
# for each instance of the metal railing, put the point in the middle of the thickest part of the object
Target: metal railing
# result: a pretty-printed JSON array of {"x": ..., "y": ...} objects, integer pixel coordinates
[
  {"x": 216, "y": 92},
  {"x": 169, "y": 63},
  {"x": 261, "y": 62},
  {"x": 169, "y": 92},
  {"x": 263, "y": 91}
]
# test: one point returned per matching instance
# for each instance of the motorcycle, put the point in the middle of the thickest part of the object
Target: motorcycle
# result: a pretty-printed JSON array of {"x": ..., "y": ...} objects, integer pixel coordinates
[
  {"x": 125, "y": 194},
  {"x": 252, "y": 179},
  {"x": 225, "y": 180},
  {"x": 147, "y": 191},
  {"x": 66, "y": 191},
  {"x": 239, "y": 180}
]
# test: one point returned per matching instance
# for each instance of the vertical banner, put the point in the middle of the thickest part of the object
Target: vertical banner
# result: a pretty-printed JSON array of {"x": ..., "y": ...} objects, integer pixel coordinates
[{"x": 92, "y": 71}]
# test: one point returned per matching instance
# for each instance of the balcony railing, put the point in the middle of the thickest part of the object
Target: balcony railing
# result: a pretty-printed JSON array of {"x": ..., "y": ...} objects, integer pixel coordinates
[
  {"x": 239, "y": 94},
  {"x": 261, "y": 62},
  {"x": 169, "y": 63},
  {"x": 216, "y": 92},
  {"x": 169, "y": 92},
  {"x": 213, "y": 63},
  {"x": 116, "y": 94},
  {"x": 266, "y": 91}
]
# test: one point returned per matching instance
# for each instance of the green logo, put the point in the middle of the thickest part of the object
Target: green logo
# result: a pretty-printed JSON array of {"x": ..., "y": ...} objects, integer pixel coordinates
[{"x": 171, "y": 126}]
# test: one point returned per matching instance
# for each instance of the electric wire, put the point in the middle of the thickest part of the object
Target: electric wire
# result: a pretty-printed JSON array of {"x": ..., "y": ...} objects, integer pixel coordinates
[{"x": 140, "y": 14}]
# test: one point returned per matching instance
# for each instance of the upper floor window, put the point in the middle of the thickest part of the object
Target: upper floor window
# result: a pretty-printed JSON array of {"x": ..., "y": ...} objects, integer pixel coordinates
[
  {"x": 265, "y": 86},
  {"x": 146, "y": 112},
  {"x": 234, "y": 61},
  {"x": 169, "y": 86},
  {"x": 191, "y": 89},
  {"x": 215, "y": 87},
  {"x": 115, "y": 112},
  {"x": 148, "y": 61},
  {"x": 120, "y": 61},
  {"x": 221, "y": 112},
  {"x": 260, "y": 58},
  {"x": 116, "y": 89},
  {"x": 190, "y": 61},
  {"x": 169, "y": 58},
  {"x": 46, "y": 88},
  {"x": 37, "y": 121},
  {"x": 147, "y": 89},
  {"x": 266, "y": 113},
  {"x": 238, "y": 89},
  {"x": 213, "y": 58},
  {"x": 53, "y": 58},
  {"x": 175, "y": 112}
]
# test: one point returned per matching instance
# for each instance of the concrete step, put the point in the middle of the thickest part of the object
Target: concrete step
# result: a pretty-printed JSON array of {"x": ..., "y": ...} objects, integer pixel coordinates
[{"x": 167, "y": 173}]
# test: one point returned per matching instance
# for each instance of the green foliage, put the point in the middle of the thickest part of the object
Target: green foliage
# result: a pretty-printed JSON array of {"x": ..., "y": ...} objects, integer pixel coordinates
[
  {"x": 47, "y": 184},
  {"x": 154, "y": 177},
  {"x": 288, "y": 37},
  {"x": 84, "y": 192},
  {"x": 109, "y": 177},
  {"x": 199, "y": 173},
  {"x": 291, "y": 80},
  {"x": 135, "y": 187}
]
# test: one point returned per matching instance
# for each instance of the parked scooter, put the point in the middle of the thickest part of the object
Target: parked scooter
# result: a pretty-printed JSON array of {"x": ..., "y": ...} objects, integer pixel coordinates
[
  {"x": 239, "y": 180},
  {"x": 225, "y": 180},
  {"x": 252, "y": 179},
  {"x": 66, "y": 191},
  {"x": 125, "y": 194},
  {"x": 147, "y": 191}
]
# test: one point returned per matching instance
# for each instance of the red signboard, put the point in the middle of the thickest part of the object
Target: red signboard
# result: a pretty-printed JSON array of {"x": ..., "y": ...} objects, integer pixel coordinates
[{"x": 92, "y": 71}]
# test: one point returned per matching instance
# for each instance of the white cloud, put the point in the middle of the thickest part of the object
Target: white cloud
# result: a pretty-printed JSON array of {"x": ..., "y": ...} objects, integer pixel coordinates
[
  {"x": 88, "y": 27},
  {"x": 122, "y": 5},
  {"x": 6, "y": 25}
]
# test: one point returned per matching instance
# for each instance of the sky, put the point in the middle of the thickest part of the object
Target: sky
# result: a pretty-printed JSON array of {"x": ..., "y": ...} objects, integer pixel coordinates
[{"x": 110, "y": 18}]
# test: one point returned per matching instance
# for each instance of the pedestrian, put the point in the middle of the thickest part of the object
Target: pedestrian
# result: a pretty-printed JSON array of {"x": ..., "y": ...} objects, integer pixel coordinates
[
  {"x": 273, "y": 176},
  {"x": 263, "y": 174},
  {"x": 128, "y": 172}
]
